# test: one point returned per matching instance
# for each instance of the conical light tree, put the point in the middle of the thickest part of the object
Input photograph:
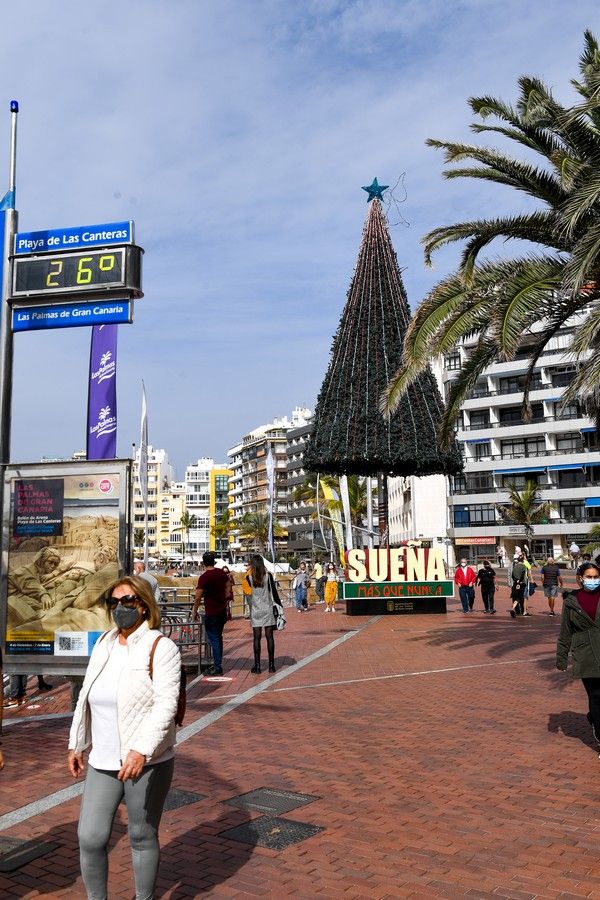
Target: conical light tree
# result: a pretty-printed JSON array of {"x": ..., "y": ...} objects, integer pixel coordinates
[{"x": 350, "y": 434}]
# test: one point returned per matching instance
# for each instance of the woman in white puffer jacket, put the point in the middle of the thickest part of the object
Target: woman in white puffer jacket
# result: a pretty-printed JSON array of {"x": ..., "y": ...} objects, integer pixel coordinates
[{"x": 126, "y": 714}]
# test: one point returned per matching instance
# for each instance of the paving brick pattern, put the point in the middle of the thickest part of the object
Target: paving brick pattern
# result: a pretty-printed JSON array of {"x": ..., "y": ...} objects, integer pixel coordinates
[{"x": 447, "y": 756}]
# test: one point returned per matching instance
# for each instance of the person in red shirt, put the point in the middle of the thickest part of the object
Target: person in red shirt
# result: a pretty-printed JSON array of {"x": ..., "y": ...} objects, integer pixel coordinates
[
  {"x": 465, "y": 578},
  {"x": 214, "y": 588}
]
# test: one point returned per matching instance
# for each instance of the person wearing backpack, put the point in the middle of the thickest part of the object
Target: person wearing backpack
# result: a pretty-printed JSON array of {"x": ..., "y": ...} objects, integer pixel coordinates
[{"x": 126, "y": 714}]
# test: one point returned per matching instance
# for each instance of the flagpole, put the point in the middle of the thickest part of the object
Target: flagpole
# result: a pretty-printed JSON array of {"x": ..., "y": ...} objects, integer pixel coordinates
[
  {"x": 6, "y": 337},
  {"x": 143, "y": 470}
]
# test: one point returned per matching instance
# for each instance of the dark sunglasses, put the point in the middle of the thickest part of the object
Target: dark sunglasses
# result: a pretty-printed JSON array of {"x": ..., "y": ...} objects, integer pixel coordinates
[{"x": 129, "y": 600}]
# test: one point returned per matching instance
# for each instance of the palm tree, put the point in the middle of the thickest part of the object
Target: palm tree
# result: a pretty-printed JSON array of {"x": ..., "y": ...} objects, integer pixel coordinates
[
  {"x": 138, "y": 537},
  {"x": 525, "y": 508},
  {"x": 254, "y": 527},
  {"x": 220, "y": 531},
  {"x": 187, "y": 523},
  {"x": 593, "y": 537},
  {"x": 358, "y": 500},
  {"x": 501, "y": 300}
]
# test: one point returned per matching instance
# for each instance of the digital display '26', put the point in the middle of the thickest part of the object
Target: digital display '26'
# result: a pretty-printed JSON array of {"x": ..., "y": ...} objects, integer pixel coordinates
[{"x": 68, "y": 272}]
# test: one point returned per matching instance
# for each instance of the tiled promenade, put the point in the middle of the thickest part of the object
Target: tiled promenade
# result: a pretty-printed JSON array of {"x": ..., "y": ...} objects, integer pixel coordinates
[{"x": 447, "y": 756}]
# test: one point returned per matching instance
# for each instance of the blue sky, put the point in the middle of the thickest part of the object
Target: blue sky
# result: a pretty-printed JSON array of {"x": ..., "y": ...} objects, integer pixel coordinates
[{"x": 237, "y": 135}]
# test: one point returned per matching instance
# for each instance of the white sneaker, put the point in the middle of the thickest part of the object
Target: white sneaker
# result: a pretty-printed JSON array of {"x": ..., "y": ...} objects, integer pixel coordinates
[
  {"x": 327, "y": 609},
  {"x": 333, "y": 609}
]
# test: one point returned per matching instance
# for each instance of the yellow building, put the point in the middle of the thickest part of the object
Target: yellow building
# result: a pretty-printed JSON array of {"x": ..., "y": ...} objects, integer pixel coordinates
[{"x": 171, "y": 506}]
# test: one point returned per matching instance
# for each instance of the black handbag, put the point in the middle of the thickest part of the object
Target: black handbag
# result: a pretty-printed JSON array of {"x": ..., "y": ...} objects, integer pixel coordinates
[{"x": 278, "y": 613}]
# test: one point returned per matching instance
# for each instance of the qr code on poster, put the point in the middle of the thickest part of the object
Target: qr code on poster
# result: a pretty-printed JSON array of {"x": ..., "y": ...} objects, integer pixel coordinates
[{"x": 70, "y": 643}]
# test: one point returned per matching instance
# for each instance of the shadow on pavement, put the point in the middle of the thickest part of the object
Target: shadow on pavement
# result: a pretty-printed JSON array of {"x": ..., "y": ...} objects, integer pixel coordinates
[
  {"x": 501, "y": 635},
  {"x": 195, "y": 861},
  {"x": 573, "y": 725}
]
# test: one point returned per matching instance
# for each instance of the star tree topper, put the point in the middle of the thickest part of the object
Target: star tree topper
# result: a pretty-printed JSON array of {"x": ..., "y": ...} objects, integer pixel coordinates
[{"x": 375, "y": 190}]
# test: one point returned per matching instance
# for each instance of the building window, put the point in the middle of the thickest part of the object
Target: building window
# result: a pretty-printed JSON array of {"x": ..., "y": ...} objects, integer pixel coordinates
[
  {"x": 452, "y": 362},
  {"x": 568, "y": 411},
  {"x": 480, "y": 481},
  {"x": 563, "y": 376},
  {"x": 479, "y": 418},
  {"x": 572, "y": 479},
  {"x": 519, "y": 448},
  {"x": 571, "y": 442},
  {"x": 520, "y": 482},
  {"x": 572, "y": 510},
  {"x": 473, "y": 483},
  {"x": 480, "y": 390},
  {"x": 514, "y": 414},
  {"x": 459, "y": 484},
  {"x": 483, "y": 450},
  {"x": 514, "y": 384},
  {"x": 478, "y": 514},
  {"x": 481, "y": 513}
]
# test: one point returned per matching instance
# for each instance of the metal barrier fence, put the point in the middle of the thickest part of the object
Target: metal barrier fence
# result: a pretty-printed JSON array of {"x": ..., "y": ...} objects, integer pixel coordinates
[{"x": 176, "y": 623}]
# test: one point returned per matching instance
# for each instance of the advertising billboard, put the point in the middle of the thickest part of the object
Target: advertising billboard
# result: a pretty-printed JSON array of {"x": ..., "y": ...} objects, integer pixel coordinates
[{"x": 65, "y": 540}]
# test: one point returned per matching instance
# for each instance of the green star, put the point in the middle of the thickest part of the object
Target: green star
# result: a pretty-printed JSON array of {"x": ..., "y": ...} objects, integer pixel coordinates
[{"x": 375, "y": 190}]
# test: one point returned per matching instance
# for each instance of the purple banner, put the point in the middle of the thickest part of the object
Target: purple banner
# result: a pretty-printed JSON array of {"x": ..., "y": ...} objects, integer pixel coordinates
[{"x": 102, "y": 394}]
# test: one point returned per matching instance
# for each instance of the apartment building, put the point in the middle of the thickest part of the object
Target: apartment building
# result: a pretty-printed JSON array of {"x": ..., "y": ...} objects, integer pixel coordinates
[
  {"x": 418, "y": 510},
  {"x": 160, "y": 476},
  {"x": 205, "y": 498},
  {"x": 171, "y": 506},
  {"x": 304, "y": 536},
  {"x": 248, "y": 484},
  {"x": 218, "y": 510},
  {"x": 557, "y": 450}
]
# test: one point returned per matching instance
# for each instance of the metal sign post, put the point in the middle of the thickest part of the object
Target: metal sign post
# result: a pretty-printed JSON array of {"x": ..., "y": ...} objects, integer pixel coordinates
[
  {"x": 6, "y": 338},
  {"x": 65, "y": 533}
]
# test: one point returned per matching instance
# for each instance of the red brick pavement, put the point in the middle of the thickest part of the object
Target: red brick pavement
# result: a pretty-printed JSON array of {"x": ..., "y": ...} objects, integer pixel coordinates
[{"x": 449, "y": 758}]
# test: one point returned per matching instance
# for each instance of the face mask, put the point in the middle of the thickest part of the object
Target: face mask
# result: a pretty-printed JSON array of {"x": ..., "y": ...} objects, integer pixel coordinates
[
  {"x": 591, "y": 584},
  {"x": 125, "y": 618}
]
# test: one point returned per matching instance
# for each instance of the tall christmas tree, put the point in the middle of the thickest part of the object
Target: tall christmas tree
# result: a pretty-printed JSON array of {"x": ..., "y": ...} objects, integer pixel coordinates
[{"x": 350, "y": 435}]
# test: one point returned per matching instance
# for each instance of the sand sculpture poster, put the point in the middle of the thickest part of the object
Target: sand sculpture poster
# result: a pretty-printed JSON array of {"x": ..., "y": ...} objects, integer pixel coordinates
[{"x": 63, "y": 554}]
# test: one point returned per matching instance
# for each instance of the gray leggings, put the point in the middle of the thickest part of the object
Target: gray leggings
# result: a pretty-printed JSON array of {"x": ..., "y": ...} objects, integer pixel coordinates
[{"x": 145, "y": 798}]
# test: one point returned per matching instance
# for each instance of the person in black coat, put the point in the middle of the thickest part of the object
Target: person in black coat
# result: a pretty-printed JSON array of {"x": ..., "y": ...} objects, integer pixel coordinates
[{"x": 486, "y": 579}]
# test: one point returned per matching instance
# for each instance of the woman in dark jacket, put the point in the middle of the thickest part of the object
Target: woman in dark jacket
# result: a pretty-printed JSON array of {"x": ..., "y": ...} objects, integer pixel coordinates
[{"x": 580, "y": 634}]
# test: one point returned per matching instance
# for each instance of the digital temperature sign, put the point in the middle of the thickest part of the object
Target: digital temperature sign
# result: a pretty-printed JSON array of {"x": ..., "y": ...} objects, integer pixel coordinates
[{"x": 104, "y": 271}]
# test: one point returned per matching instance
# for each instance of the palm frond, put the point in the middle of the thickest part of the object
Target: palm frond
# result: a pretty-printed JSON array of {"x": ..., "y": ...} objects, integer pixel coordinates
[
  {"x": 541, "y": 226},
  {"x": 584, "y": 264},
  {"x": 533, "y": 280},
  {"x": 583, "y": 200},
  {"x": 498, "y": 167}
]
